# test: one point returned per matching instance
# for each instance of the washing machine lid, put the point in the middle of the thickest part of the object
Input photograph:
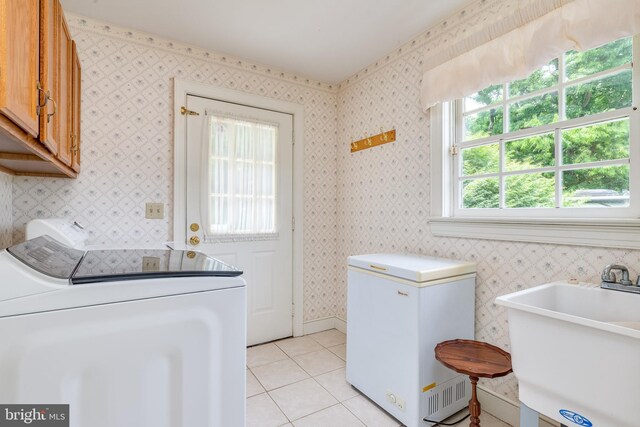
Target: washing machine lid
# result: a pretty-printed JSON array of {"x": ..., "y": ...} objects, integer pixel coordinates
[
  {"x": 47, "y": 256},
  {"x": 101, "y": 266},
  {"x": 416, "y": 268}
]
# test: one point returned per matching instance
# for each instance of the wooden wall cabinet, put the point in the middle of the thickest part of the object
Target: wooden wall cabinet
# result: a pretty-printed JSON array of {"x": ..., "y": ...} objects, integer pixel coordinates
[
  {"x": 49, "y": 74},
  {"x": 64, "y": 89},
  {"x": 19, "y": 45},
  {"x": 76, "y": 96},
  {"x": 39, "y": 90}
]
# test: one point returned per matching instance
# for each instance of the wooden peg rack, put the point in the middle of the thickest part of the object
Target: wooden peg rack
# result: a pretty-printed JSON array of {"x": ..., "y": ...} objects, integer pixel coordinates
[{"x": 374, "y": 141}]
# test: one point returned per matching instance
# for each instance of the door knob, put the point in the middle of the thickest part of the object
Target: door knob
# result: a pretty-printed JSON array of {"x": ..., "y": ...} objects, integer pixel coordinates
[
  {"x": 194, "y": 227},
  {"x": 194, "y": 240}
]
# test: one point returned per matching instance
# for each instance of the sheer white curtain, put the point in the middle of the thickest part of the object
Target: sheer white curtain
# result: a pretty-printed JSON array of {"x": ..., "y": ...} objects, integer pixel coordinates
[
  {"x": 579, "y": 25},
  {"x": 241, "y": 191}
]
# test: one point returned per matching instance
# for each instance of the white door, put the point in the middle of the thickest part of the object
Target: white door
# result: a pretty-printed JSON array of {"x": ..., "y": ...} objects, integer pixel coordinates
[{"x": 239, "y": 204}]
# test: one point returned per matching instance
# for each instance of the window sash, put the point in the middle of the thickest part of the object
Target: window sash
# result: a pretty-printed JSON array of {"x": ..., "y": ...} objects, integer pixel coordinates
[{"x": 457, "y": 144}]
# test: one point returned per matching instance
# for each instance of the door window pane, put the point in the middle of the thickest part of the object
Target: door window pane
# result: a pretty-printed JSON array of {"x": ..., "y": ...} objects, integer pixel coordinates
[{"x": 242, "y": 181}]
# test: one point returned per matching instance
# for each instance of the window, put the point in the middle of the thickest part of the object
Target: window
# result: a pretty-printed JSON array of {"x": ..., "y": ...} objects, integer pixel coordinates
[
  {"x": 560, "y": 143},
  {"x": 552, "y": 158},
  {"x": 242, "y": 177}
]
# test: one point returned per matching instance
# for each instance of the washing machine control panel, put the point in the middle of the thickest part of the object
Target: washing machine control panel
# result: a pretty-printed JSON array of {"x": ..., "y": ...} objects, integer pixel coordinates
[{"x": 48, "y": 256}]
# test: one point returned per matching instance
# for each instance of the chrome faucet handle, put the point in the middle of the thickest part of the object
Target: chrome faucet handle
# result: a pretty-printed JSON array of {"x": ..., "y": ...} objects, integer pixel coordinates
[{"x": 610, "y": 277}]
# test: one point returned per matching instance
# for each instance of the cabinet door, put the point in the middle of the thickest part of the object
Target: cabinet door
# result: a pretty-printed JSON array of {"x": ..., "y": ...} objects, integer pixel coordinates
[
  {"x": 19, "y": 39},
  {"x": 75, "y": 111},
  {"x": 49, "y": 74},
  {"x": 64, "y": 89}
]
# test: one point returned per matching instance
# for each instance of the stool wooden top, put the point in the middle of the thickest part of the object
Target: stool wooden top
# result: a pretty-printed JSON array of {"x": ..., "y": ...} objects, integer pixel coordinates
[{"x": 474, "y": 358}]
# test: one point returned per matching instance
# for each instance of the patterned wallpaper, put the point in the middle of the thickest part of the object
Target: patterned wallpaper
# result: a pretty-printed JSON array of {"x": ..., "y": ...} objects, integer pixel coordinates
[
  {"x": 6, "y": 223},
  {"x": 375, "y": 200},
  {"x": 383, "y": 195},
  {"x": 127, "y": 146}
]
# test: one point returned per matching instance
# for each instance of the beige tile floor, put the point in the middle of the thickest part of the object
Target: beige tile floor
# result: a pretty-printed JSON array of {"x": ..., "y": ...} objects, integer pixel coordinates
[{"x": 300, "y": 382}]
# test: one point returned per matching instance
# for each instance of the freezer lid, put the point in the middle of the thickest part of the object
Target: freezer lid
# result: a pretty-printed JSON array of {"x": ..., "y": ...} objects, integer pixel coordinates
[{"x": 416, "y": 268}]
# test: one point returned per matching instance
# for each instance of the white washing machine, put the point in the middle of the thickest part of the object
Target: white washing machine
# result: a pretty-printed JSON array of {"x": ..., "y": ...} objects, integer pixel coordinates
[
  {"x": 127, "y": 338},
  {"x": 399, "y": 307}
]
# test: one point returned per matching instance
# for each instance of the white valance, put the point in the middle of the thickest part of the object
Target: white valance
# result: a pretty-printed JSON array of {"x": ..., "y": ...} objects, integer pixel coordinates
[{"x": 579, "y": 25}]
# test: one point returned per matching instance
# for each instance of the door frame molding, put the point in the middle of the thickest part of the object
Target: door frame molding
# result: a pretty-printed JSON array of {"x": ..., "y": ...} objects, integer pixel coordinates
[{"x": 183, "y": 88}]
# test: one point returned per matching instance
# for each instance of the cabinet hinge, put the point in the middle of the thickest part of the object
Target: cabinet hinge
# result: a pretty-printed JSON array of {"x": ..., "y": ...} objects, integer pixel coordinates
[
  {"x": 454, "y": 150},
  {"x": 293, "y": 223}
]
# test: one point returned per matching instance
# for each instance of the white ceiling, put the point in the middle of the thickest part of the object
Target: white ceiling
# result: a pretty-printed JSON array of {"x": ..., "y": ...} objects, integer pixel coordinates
[{"x": 327, "y": 40}]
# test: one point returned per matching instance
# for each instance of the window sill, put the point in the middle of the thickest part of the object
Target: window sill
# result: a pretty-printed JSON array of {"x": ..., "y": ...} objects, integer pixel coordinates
[{"x": 609, "y": 233}]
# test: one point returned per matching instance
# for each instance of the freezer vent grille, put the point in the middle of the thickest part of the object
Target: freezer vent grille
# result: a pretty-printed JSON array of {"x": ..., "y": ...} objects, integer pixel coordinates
[
  {"x": 461, "y": 390},
  {"x": 447, "y": 397},
  {"x": 433, "y": 404}
]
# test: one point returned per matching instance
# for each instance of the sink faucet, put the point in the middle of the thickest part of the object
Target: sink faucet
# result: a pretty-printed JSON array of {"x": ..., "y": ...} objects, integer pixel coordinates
[{"x": 610, "y": 277}]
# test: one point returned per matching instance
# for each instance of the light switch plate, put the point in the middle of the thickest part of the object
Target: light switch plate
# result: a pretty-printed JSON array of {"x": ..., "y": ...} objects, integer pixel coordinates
[{"x": 154, "y": 211}]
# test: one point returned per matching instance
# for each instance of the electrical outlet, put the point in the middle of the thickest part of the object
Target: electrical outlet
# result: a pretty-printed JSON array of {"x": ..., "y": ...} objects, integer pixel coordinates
[
  {"x": 154, "y": 211},
  {"x": 150, "y": 263}
]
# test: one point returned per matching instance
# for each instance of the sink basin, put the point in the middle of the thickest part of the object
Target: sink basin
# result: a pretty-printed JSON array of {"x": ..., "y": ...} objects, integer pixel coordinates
[{"x": 576, "y": 353}]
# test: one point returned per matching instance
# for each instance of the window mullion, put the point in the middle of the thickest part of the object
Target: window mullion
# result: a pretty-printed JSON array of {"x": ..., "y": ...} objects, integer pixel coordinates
[
  {"x": 456, "y": 160},
  {"x": 562, "y": 113},
  {"x": 558, "y": 162},
  {"x": 502, "y": 182},
  {"x": 505, "y": 129}
]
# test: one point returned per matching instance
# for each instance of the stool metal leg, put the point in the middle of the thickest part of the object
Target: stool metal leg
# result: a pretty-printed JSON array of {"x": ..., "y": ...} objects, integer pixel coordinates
[{"x": 528, "y": 417}]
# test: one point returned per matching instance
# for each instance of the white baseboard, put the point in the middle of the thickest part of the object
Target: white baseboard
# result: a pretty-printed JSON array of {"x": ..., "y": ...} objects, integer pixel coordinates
[
  {"x": 506, "y": 409},
  {"x": 324, "y": 324}
]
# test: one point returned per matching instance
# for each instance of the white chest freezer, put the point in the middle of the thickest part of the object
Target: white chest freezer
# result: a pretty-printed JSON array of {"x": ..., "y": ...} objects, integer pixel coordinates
[{"x": 398, "y": 308}]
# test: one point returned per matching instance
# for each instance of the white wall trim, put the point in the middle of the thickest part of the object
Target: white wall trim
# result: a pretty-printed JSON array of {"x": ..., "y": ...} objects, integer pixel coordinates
[
  {"x": 611, "y": 233},
  {"x": 324, "y": 324},
  {"x": 505, "y": 409},
  {"x": 183, "y": 88}
]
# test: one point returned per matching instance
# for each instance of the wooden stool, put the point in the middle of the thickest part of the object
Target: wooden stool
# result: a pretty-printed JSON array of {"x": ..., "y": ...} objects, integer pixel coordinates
[{"x": 476, "y": 359}]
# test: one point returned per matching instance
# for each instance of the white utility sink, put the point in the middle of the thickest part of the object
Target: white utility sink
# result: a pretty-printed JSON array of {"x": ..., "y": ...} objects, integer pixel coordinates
[{"x": 576, "y": 353}]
